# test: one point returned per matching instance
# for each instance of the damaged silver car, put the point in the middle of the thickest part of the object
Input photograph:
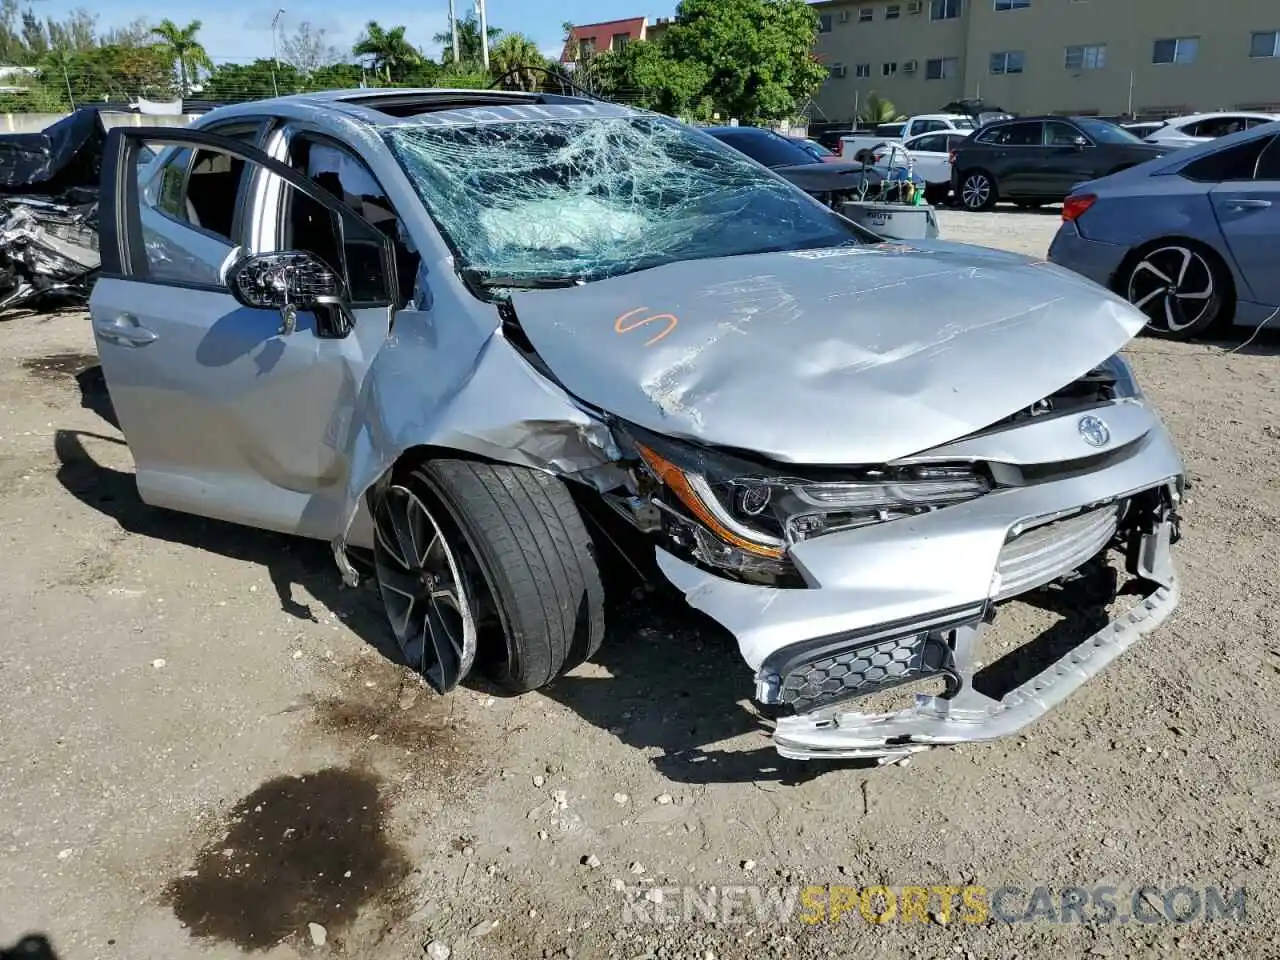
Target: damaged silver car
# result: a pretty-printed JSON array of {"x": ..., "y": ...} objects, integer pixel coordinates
[{"x": 482, "y": 338}]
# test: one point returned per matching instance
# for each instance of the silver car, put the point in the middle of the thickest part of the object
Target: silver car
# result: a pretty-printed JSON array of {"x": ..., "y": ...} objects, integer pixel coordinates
[{"x": 480, "y": 338}]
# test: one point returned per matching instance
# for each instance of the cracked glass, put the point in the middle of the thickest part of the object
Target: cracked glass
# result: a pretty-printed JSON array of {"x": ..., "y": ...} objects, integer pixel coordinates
[{"x": 533, "y": 202}]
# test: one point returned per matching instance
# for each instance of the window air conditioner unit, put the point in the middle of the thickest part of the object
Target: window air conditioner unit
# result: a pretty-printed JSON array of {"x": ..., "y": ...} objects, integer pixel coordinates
[
  {"x": 910, "y": 66},
  {"x": 914, "y": 7},
  {"x": 839, "y": 70}
]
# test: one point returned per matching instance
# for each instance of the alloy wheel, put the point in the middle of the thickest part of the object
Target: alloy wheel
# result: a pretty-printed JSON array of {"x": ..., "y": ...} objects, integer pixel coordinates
[
  {"x": 976, "y": 192},
  {"x": 1173, "y": 286},
  {"x": 424, "y": 589}
]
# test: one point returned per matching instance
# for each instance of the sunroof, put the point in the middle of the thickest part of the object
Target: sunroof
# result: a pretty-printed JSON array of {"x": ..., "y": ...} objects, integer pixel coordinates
[{"x": 414, "y": 104}]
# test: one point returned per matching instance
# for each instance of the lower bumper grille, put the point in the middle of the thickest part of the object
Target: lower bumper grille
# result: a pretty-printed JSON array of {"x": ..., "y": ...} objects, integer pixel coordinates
[
  {"x": 1044, "y": 553},
  {"x": 873, "y": 667}
]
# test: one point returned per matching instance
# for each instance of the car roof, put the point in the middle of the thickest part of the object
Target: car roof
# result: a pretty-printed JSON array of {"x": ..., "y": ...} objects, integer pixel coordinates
[
  {"x": 1192, "y": 117},
  {"x": 389, "y": 107}
]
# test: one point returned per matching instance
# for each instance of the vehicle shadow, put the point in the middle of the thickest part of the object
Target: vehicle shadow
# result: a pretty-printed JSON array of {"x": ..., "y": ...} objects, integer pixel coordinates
[
  {"x": 675, "y": 678},
  {"x": 1255, "y": 342},
  {"x": 677, "y": 682}
]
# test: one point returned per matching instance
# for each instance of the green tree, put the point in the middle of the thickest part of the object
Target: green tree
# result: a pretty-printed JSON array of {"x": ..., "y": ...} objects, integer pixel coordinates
[
  {"x": 876, "y": 110},
  {"x": 253, "y": 81},
  {"x": 758, "y": 53},
  {"x": 645, "y": 75},
  {"x": 184, "y": 51},
  {"x": 469, "y": 50},
  {"x": 518, "y": 59},
  {"x": 392, "y": 54}
]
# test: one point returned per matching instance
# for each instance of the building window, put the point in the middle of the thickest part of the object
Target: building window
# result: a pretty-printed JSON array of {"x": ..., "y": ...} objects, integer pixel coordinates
[
  {"x": 824, "y": 23},
  {"x": 619, "y": 41},
  {"x": 1177, "y": 50},
  {"x": 1087, "y": 57},
  {"x": 944, "y": 68},
  {"x": 1010, "y": 62},
  {"x": 586, "y": 48},
  {"x": 889, "y": 69},
  {"x": 892, "y": 11},
  {"x": 944, "y": 9},
  {"x": 866, "y": 14},
  {"x": 1265, "y": 44},
  {"x": 862, "y": 70},
  {"x": 1012, "y": 4}
]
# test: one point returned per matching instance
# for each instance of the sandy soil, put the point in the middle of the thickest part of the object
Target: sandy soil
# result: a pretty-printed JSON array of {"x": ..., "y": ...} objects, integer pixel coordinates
[{"x": 202, "y": 755}]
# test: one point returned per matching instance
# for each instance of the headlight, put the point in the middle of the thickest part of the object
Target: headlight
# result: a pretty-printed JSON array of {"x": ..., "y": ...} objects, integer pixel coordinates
[
  {"x": 1126, "y": 385},
  {"x": 747, "y": 522}
]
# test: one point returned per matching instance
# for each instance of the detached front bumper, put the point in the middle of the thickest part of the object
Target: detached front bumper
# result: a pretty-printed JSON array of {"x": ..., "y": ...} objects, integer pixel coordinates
[{"x": 909, "y": 599}]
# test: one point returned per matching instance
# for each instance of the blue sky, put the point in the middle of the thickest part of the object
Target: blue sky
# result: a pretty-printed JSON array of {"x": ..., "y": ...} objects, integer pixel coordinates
[{"x": 241, "y": 29}]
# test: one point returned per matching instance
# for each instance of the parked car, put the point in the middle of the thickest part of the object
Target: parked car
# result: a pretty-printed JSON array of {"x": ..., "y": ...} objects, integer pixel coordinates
[
  {"x": 1192, "y": 240},
  {"x": 817, "y": 149},
  {"x": 833, "y": 183},
  {"x": 930, "y": 154},
  {"x": 1032, "y": 161},
  {"x": 852, "y": 145},
  {"x": 1142, "y": 128},
  {"x": 524, "y": 332},
  {"x": 830, "y": 138},
  {"x": 1204, "y": 127}
]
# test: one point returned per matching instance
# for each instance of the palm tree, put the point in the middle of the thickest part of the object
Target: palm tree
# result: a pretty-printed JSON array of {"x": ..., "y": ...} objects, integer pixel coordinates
[
  {"x": 877, "y": 110},
  {"x": 469, "y": 50},
  {"x": 517, "y": 58},
  {"x": 391, "y": 52},
  {"x": 184, "y": 49}
]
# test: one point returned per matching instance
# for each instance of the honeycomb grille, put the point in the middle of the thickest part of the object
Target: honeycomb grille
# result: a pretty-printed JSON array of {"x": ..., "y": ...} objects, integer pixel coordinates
[{"x": 861, "y": 670}]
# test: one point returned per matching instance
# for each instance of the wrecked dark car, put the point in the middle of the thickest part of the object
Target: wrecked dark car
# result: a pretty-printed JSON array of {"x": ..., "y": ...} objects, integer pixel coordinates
[
  {"x": 48, "y": 211},
  {"x": 490, "y": 337}
]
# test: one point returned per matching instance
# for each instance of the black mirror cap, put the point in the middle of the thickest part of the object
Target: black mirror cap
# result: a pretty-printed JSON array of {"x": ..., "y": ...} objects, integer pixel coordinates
[{"x": 273, "y": 281}]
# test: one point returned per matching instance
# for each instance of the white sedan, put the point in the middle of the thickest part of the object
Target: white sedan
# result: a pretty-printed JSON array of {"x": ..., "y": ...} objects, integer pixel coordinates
[
  {"x": 1203, "y": 127},
  {"x": 931, "y": 155}
]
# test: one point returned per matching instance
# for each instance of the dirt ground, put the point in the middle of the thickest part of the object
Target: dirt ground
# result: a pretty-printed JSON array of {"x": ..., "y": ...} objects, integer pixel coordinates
[{"x": 202, "y": 755}]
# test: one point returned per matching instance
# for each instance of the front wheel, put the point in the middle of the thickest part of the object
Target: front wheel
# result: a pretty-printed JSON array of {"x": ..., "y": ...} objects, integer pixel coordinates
[
  {"x": 487, "y": 564},
  {"x": 1182, "y": 290},
  {"x": 978, "y": 191}
]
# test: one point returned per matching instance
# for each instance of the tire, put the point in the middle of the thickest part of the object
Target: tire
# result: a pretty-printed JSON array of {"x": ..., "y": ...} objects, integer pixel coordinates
[
  {"x": 977, "y": 191},
  {"x": 528, "y": 570},
  {"x": 1183, "y": 288}
]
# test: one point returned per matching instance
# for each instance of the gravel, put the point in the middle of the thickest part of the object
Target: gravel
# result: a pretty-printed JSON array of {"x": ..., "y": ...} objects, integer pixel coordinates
[{"x": 201, "y": 753}]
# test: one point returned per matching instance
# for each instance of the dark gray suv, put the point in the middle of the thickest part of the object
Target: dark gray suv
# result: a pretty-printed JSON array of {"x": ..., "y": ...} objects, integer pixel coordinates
[{"x": 1032, "y": 161}]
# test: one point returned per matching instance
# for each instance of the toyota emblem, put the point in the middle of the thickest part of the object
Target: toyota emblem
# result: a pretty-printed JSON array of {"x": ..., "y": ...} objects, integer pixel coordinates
[{"x": 1094, "y": 431}]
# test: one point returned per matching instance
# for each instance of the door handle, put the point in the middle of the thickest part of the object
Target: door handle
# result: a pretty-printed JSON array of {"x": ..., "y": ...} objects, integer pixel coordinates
[
  {"x": 124, "y": 330},
  {"x": 1239, "y": 206}
]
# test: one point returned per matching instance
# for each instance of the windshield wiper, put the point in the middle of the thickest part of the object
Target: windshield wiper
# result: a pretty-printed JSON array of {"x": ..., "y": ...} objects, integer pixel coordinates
[{"x": 492, "y": 281}]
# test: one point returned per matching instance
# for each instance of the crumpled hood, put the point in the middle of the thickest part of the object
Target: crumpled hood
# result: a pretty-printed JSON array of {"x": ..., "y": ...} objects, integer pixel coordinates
[{"x": 839, "y": 356}]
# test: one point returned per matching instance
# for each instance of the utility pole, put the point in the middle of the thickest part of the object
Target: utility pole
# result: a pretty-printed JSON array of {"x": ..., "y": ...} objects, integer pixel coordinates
[
  {"x": 484, "y": 34},
  {"x": 453, "y": 31},
  {"x": 275, "y": 50},
  {"x": 1130, "y": 94}
]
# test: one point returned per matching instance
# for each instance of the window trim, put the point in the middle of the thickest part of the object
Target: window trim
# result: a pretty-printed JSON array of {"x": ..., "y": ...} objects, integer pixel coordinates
[
  {"x": 1177, "y": 44},
  {"x": 959, "y": 10},
  {"x": 942, "y": 68},
  {"x": 1010, "y": 5},
  {"x": 1275, "y": 44},
  {"x": 1004, "y": 71},
  {"x": 1084, "y": 48}
]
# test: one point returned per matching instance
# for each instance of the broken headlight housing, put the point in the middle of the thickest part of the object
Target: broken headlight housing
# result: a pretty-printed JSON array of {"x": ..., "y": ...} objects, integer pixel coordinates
[{"x": 730, "y": 514}]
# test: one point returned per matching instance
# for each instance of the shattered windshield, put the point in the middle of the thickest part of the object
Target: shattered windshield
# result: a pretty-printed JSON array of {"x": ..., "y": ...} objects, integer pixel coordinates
[{"x": 550, "y": 201}]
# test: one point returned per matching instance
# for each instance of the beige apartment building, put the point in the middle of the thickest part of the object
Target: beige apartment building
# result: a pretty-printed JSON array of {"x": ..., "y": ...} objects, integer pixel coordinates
[{"x": 1107, "y": 57}]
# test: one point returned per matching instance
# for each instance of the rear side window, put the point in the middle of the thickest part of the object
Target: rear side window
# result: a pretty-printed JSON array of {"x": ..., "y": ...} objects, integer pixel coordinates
[
  {"x": 1013, "y": 135},
  {"x": 931, "y": 144},
  {"x": 1234, "y": 164},
  {"x": 1269, "y": 163}
]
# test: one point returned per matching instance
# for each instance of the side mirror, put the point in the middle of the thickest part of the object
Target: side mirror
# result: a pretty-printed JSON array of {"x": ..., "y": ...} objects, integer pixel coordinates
[
  {"x": 1080, "y": 143},
  {"x": 289, "y": 282}
]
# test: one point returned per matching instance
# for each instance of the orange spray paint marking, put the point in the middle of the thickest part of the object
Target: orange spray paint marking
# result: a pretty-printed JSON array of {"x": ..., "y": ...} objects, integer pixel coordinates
[{"x": 624, "y": 324}]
